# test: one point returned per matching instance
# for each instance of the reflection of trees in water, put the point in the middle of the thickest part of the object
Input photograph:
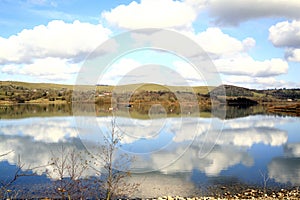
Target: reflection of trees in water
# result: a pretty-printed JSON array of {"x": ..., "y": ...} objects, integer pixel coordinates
[
  {"x": 236, "y": 111},
  {"x": 169, "y": 109},
  {"x": 31, "y": 110},
  {"x": 138, "y": 110}
]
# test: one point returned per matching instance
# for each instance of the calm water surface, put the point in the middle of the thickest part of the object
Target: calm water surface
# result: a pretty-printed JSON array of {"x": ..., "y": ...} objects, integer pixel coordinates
[{"x": 193, "y": 150}]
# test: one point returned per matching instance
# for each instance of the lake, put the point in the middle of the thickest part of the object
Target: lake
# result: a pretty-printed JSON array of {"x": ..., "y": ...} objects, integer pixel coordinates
[{"x": 173, "y": 154}]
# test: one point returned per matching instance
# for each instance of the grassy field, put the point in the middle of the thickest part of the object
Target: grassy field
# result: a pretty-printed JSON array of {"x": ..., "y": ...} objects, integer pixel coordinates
[
  {"x": 156, "y": 88},
  {"x": 36, "y": 85}
]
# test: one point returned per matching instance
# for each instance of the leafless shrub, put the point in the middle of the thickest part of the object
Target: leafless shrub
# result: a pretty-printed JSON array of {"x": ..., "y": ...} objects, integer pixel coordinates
[
  {"x": 68, "y": 173},
  {"x": 112, "y": 167}
]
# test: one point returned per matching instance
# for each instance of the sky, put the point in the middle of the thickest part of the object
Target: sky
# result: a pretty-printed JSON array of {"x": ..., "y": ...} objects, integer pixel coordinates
[{"x": 251, "y": 43}]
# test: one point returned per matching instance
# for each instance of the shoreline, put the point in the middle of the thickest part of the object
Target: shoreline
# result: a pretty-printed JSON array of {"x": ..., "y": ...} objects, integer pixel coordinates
[{"x": 220, "y": 193}]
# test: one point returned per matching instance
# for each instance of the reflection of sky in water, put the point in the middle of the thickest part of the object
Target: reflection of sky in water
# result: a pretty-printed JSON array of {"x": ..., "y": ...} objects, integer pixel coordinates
[{"x": 246, "y": 145}]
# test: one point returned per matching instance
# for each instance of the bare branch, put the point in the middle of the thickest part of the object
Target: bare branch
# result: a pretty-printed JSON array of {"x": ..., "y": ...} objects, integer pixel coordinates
[
  {"x": 112, "y": 178},
  {"x": 20, "y": 171},
  {"x": 1, "y": 155}
]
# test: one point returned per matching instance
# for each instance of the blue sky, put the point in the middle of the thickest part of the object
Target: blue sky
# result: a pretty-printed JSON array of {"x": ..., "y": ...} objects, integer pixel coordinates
[{"x": 252, "y": 43}]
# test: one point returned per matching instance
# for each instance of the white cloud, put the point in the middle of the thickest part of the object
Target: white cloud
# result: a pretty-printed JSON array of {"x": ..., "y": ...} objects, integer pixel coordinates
[
  {"x": 247, "y": 131},
  {"x": 250, "y": 136},
  {"x": 243, "y": 132},
  {"x": 38, "y": 153},
  {"x": 152, "y": 14},
  {"x": 285, "y": 170},
  {"x": 293, "y": 54},
  {"x": 256, "y": 82},
  {"x": 48, "y": 131},
  {"x": 188, "y": 129},
  {"x": 255, "y": 121},
  {"x": 57, "y": 39},
  {"x": 230, "y": 56},
  {"x": 234, "y": 12},
  {"x": 220, "y": 158},
  {"x": 51, "y": 52},
  {"x": 44, "y": 69},
  {"x": 214, "y": 41},
  {"x": 287, "y": 34},
  {"x": 292, "y": 149},
  {"x": 243, "y": 64}
]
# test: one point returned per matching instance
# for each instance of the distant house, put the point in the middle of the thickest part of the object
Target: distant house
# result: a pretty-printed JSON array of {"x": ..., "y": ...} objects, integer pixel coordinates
[
  {"x": 289, "y": 100},
  {"x": 104, "y": 94}
]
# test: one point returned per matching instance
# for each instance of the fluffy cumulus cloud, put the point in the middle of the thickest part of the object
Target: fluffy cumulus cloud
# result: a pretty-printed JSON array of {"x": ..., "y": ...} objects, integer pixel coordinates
[
  {"x": 214, "y": 41},
  {"x": 57, "y": 39},
  {"x": 236, "y": 11},
  {"x": 287, "y": 34},
  {"x": 242, "y": 70},
  {"x": 152, "y": 14},
  {"x": 51, "y": 52}
]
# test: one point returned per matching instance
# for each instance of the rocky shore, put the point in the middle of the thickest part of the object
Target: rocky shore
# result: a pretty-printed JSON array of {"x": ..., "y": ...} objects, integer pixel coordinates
[
  {"x": 160, "y": 187},
  {"x": 293, "y": 194}
]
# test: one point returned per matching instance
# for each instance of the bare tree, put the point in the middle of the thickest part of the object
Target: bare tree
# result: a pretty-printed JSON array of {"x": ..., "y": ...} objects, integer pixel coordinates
[
  {"x": 113, "y": 167},
  {"x": 68, "y": 173},
  {"x": 266, "y": 178}
]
